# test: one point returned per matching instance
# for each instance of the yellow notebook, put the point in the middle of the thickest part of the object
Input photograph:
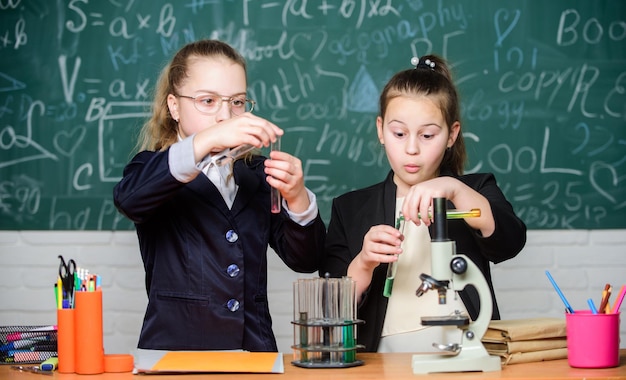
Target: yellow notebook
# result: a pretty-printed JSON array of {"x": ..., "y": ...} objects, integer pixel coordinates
[{"x": 159, "y": 361}]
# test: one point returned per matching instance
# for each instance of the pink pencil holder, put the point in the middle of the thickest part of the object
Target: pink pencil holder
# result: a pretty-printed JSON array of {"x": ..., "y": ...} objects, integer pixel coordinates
[{"x": 592, "y": 339}]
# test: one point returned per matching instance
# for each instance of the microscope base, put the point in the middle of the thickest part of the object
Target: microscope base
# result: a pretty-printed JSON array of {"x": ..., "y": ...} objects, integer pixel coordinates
[{"x": 472, "y": 359}]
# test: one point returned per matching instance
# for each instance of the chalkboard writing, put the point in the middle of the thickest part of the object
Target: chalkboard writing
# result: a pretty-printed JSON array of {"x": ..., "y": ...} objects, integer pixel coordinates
[{"x": 543, "y": 87}]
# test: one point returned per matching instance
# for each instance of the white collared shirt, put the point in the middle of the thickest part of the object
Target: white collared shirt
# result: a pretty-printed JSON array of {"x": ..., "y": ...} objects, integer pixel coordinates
[{"x": 184, "y": 168}]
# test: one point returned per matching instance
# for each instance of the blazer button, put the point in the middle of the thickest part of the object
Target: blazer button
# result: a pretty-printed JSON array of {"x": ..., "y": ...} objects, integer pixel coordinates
[
  {"x": 232, "y": 304},
  {"x": 231, "y": 236},
  {"x": 232, "y": 270}
]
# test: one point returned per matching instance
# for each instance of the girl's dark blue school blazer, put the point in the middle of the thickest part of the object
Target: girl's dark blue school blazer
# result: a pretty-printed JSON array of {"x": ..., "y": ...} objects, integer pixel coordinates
[
  {"x": 354, "y": 213},
  {"x": 205, "y": 265}
]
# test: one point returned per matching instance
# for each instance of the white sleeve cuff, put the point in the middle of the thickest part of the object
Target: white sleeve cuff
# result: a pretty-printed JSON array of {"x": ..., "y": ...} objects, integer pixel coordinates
[
  {"x": 181, "y": 161},
  {"x": 308, "y": 215}
]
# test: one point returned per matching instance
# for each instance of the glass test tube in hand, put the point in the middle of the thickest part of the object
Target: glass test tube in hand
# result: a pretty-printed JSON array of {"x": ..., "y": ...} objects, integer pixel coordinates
[
  {"x": 274, "y": 193},
  {"x": 234, "y": 154},
  {"x": 393, "y": 266}
]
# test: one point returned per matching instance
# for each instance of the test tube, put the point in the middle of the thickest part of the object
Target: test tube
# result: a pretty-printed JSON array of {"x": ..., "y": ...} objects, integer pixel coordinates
[
  {"x": 348, "y": 301},
  {"x": 234, "y": 154},
  {"x": 274, "y": 193},
  {"x": 393, "y": 266},
  {"x": 301, "y": 314},
  {"x": 315, "y": 315}
]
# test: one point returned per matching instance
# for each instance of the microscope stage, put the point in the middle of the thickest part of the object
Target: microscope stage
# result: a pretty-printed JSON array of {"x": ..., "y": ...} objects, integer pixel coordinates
[{"x": 448, "y": 320}]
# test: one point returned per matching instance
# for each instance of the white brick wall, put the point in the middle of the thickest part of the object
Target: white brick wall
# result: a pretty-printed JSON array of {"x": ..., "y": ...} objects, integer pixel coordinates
[{"x": 580, "y": 261}]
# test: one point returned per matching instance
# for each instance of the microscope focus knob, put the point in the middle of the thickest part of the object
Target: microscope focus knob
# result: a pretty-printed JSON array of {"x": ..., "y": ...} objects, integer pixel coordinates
[{"x": 458, "y": 265}]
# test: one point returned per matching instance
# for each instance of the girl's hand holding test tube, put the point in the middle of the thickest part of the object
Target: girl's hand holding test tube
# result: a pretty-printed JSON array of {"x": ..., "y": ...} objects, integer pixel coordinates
[
  {"x": 393, "y": 266},
  {"x": 285, "y": 175}
]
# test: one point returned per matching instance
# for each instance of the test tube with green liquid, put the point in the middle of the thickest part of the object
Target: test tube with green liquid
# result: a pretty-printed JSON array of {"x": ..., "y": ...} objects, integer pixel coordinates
[{"x": 393, "y": 266}]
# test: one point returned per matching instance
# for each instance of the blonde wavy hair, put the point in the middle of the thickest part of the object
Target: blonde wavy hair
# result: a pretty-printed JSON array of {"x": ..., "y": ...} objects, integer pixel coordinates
[{"x": 161, "y": 130}]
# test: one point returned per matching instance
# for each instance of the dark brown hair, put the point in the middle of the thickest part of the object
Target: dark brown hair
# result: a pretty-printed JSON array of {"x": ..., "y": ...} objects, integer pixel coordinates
[{"x": 436, "y": 83}]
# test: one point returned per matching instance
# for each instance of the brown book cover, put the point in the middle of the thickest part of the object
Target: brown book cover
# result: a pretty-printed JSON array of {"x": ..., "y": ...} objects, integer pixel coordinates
[
  {"x": 497, "y": 348},
  {"x": 536, "y": 356},
  {"x": 525, "y": 329}
]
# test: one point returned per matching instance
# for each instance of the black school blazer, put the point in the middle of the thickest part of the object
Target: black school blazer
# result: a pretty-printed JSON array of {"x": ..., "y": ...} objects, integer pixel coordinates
[
  {"x": 355, "y": 212},
  {"x": 206, "y": 265}
]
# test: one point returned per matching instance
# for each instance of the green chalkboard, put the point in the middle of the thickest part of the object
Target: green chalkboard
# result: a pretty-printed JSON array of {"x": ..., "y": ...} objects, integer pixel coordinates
[{"x": 543, "y": 87}]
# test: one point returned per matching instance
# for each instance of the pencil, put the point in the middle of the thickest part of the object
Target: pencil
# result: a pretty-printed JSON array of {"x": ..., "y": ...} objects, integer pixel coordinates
[
  {"x": 618, "y": 301},
  {"x": 606, "y": 293}
]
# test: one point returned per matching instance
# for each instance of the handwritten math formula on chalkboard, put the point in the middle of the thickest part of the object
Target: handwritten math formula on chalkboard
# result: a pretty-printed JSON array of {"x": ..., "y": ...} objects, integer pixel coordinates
[{"x": 543, "y": 90}]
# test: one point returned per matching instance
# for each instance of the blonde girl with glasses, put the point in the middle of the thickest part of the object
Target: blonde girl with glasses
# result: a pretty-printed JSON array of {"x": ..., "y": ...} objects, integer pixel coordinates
[{"x": 204, "y": 228}]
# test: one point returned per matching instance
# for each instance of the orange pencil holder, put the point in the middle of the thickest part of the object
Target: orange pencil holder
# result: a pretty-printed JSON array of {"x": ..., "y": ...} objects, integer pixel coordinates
[
  {"x": 65, "y": 340},
  {"x": 88, "y": 334}
]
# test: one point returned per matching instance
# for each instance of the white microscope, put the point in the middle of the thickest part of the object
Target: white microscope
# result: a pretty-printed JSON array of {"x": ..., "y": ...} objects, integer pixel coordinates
[{"x": 455, "y": 271}]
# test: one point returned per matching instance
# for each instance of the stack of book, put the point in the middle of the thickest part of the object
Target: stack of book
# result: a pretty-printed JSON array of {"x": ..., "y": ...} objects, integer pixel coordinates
[{"x": 526, "y": 340}]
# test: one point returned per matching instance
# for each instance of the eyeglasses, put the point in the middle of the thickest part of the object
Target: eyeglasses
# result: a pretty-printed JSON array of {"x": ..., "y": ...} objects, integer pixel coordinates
[{"x": 210, "y": 104}]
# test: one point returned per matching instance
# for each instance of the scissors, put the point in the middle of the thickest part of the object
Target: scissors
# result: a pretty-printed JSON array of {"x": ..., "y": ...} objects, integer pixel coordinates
[
  {"x": 33, "y": 369},
  {"x": 67, "y": 272}
]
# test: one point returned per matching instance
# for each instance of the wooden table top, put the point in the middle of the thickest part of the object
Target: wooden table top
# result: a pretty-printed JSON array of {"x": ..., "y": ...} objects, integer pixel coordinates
[{"x": 377, "y": 366}]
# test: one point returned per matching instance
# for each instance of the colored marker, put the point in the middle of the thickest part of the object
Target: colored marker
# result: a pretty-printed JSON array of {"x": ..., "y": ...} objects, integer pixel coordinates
[
  {"x": 50, "y": 364},
  {"x": 91, "y": 284},
  {"x": 592, "y": 306},
  {"x": 21, "y": 343},
  {"x": 32, "y": 356},
  {"x": 39, "y": 333},
  {"x": 18, "y": 344},
  {"x": 558, "y": 290},
  {"x": 59, "y": 289}
]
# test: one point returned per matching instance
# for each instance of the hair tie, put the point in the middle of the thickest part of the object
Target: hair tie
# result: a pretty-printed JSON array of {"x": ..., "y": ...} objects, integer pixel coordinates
[{"x": 421, "y": 63}]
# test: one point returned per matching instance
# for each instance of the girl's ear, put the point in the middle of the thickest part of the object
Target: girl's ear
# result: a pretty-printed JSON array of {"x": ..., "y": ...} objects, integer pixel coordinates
[
  {"x": 455, "y": 129},
  {"x": 379, "y": 130},
  {"x": 172, "y": 105}
]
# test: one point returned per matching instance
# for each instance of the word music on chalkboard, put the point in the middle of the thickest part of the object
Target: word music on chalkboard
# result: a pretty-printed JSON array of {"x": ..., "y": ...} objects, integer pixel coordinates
[{"x": 543, "y": 91}]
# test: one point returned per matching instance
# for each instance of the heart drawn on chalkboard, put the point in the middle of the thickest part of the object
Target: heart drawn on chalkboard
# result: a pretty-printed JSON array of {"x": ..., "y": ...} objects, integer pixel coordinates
[
  {"x": 605, "y": 181},
  {"x": 67, "y": 142},
  {"x": 500, "y": 35},
  {"x": 307, "y": 46}
]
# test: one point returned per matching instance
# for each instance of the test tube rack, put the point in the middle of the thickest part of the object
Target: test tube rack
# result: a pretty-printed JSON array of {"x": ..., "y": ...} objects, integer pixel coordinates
[{"x": 324, "y": 323}]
